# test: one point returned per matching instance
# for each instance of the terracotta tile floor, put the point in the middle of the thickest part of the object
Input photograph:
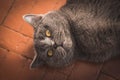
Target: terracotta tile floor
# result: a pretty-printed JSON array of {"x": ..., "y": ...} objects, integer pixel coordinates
[{"x": 16, "y": 47}]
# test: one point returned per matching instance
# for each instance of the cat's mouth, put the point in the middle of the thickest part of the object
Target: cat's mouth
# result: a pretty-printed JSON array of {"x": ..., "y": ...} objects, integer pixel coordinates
[{"x": 56, "y": 49}]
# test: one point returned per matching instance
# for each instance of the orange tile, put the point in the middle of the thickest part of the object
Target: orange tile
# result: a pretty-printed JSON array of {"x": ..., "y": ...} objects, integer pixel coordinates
[
  {"x": 3, "y": 55},
  {"x": 112, "y": 67},
  {"x": 85, "y": 71},
  {"x": 4, "y": 7},
  {"x": 12, "y": 40},
  {"x": 53, "y": 75},
  {"x": 32, "y": 74},
  {"x": 15, "y": 67},
  {"x": 29, "y": 49},
  {"x": 11, "y": 66},
  {"x": 14, "y": 19},
  {"x": 43, "y": 6},
  {"x": 59, "y": 4},
  {"x": 66, "y": 70},
  {"x": 27, "y": 29},
  {"x": 105, "y": 77}
]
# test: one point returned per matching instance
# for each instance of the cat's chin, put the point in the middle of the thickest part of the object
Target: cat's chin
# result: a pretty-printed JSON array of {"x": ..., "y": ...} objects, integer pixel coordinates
[
  {"x": 63, "y": 51},
  {"x": 60, "y": 51}
]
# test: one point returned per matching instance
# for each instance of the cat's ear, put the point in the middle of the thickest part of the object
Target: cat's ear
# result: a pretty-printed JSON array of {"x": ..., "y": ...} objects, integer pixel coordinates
[
  {"x": 32, "y": 19},
  {"x": 36, "y": 62}
]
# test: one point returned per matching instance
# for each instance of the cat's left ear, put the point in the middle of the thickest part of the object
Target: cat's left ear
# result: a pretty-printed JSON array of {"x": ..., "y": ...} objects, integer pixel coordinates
[
  {"x": 37, "y": 61},
  {"x": 33, "y": 19}
]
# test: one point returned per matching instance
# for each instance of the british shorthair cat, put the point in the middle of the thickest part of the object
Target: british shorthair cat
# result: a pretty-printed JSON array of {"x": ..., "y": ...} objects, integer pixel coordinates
[{"x": 81, "y": 29}]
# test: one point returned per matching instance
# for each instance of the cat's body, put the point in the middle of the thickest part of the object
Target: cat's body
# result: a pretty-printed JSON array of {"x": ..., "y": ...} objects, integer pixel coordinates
[
  {"x": 81, "y": 29},
  {"x": 95, "y": 27}
]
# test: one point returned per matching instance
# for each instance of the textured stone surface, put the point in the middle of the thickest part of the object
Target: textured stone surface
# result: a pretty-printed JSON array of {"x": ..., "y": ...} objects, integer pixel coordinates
[
  {"x": 105, "y": 77},
  {"x": 5, "y": 5},
  {"x": 85, "y": 71},
  {"x": 112, "y": 68}
]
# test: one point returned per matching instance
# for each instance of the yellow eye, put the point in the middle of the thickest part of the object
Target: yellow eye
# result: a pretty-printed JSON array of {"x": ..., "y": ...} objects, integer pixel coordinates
[
  {"x": 50, "y": 53},
  {"x": 48, "y": 34}
]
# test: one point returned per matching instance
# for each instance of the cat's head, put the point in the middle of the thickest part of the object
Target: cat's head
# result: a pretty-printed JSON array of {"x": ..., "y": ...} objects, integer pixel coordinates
[{"x": 52, "y": 39}]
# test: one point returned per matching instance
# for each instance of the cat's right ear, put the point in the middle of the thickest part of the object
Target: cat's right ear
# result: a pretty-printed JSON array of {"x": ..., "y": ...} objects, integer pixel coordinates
[{"x": 32, "y": 19}]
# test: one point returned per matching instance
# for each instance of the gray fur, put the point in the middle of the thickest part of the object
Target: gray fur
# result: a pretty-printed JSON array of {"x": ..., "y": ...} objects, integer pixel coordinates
[{"x": 81, "y": 29}]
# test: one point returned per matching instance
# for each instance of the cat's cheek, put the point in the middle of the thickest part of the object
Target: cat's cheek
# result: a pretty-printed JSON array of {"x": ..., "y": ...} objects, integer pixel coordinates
[{"x": 68, "y": 44}]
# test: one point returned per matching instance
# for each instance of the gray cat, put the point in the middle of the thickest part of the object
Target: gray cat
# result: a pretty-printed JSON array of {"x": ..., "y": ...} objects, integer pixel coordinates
[{"x": 81, "y": 29}]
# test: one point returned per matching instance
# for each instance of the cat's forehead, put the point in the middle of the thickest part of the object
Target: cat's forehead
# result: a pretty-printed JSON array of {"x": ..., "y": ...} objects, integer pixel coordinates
[
  {"x": 52, "y": 20},
  {"x": 51, "y": 16},
  {"x": 47, "y": 21},
  {"x": 48, "y": 18},
  {"x": 45, "y": 24}
]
